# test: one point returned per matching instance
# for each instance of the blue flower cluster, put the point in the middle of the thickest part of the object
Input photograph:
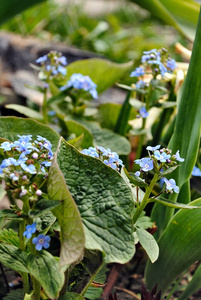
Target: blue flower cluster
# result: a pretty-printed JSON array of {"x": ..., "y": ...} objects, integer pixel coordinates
[
  {"x": 41, "y": 241},
  {"x": 25, "y": 159},
  {"x": 54, "y": 63},
  {"x": 160, "y": 160},
  {"x": 155, "y": 62},
  {"x": 196, "y": 172},
  {"x": 106, "y": 155},
  {"x": 81, "y": 82}
]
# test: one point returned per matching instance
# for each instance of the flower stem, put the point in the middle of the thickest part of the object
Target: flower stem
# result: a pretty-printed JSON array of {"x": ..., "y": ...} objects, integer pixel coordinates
[
  {"x": 145, "y": 200},
  {"x": 141, "y": 141},
  {"x": 44, "y": 107},
  {"x": 36, "y": 288},
  {"x": 25, "y": 277}
]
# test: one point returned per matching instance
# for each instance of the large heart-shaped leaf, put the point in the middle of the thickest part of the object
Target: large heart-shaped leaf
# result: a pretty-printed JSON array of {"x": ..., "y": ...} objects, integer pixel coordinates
[
  {"x": 104, "y": 201},
  {"x": 97, "y": 69},
  {"x": 179, "y": 248},
  {"x": 10, "y": 127},
  {"x": 45, "y": 269},
  {"x": 72, "y": 233}
]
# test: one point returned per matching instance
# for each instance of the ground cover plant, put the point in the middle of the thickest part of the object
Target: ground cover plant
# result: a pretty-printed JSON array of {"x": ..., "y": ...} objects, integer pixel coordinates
[{"x": 81, "y": 196}]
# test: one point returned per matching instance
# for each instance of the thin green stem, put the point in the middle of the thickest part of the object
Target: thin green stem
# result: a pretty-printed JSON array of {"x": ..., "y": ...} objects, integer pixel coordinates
[
  {"x": 36, "y": 288},
  {"x": 141, "y": 141},
  {"x": 91, "y": 279},
  {"x": 145, "y": 200},
  {"x": 44, "y": 107},
  {"x": 25, "y": 277}
]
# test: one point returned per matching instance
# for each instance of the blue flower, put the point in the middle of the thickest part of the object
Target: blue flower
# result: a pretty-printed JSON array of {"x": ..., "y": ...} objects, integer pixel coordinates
[
  {"x": 41, "y": 241},
  {"x": 162, "y": 157},
  {"x": 91, "y": 152},
  {"x": 62, "y": 70},
  {"x": 152, "y": 54},
  {"x": 81, "y": 82},
  {"x": 137, "y": 173},
  {"x": 138, "y": 72},
  {"x": 178, "y": 158},
  {"x": 23, "y": 144},
  {"x": 143, "y": 112},
  {"x": 196, "y": 172},
  {"x": 111, "y": 163},
  {"x": 6, "y": 146},
  {"x": 62, "y": 60},
  {"x": 171, "y": 64},
  {"x": 145, "y": 163},
  {"x": 149, "y": 148},
  {"x": 29, "y": 169},
  {"x": 171, "y": 185},
  {"x": 41, "y": 59},
  {"x": 51, "y": 113},
  {"x": 140, "y": 84},
  {"x": 30, "y": 229},
  {"x": 8, "y": 162}
]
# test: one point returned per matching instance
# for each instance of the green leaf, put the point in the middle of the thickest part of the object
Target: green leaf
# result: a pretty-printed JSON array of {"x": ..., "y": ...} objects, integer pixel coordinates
[
  {"x": 28, "y": 112},
  {"x": 183, "y": 15},
  {"x": 13, "y": 7},
  {"x": 45, "y": 269},
  {"x": 108, "y": 114},
  {"x": 193, "y": 285},
  {"x": 186, "y": 136},
  {"x": 135, "y": 179},
  {"x": 68, "y": 216},
  {"x": 148, "y": 243},
  {"x": 104, "y": 201},
  {"x": 45, "y": 223},
  {"x": 136, "y": 103},
  {"x": 94, "y": 293},
  {"x": 2, "y": 192},
  {"x": 166, "y": 104},
  {"x": 15, "y": 294},
  {"x": 77, "y": 142},
  {"x": 137, "y": 132},
  {"x": 179, "y": 248},
  {"x": 97, "y": 68},
  {"x": 168, "y": 171},
  {"x": 29, "y": 296},
  {"x": 78, "y": 129},
  {"x": 43, "y": 206},
  {"x": 144, "y": 222},
  {"x": 71, "y": 296},
  {"x": 13, "y": 258},
  {"x": 9, "y": 214},
  {"x": 10, "y": 127},
  {"x": 9, "y": 236},
  {"x": 170, "y": 203}
]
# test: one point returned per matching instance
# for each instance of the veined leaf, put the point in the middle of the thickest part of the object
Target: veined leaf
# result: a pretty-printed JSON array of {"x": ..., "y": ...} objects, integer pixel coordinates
[
  {"x": 13, "y": 258},
  {"x": 104, "y": 201},
  {"x": 179, "y": 248},
  {"x": 9, "y": 236},
  {"x": 10, "y": 127},
  {"x": 15, "y": 294},
  {"x": 43, "y": 206},
  {"x": 45, "y": 269},
  {"x": 72, "y": 233}
]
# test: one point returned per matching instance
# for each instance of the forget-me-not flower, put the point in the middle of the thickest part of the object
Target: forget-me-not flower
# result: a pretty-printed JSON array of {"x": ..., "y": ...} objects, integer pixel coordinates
[
  {"x": 150, "y": 148},
  {"x": 171, "y": 185},
  {"x": 162, "y": 157},
  {"x": 143, "y": 112},
  {"x": 196, "y": 172},
  {"x": 30, "y": 229},
  {"x": 145, "y": 163},
  {"x": 41, "y": 241}
]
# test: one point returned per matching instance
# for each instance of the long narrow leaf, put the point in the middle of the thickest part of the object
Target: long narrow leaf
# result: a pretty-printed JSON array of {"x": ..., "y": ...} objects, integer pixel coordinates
[
  {"x": 183, "y": 15},
  {"x": 9, "y": 9}
]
